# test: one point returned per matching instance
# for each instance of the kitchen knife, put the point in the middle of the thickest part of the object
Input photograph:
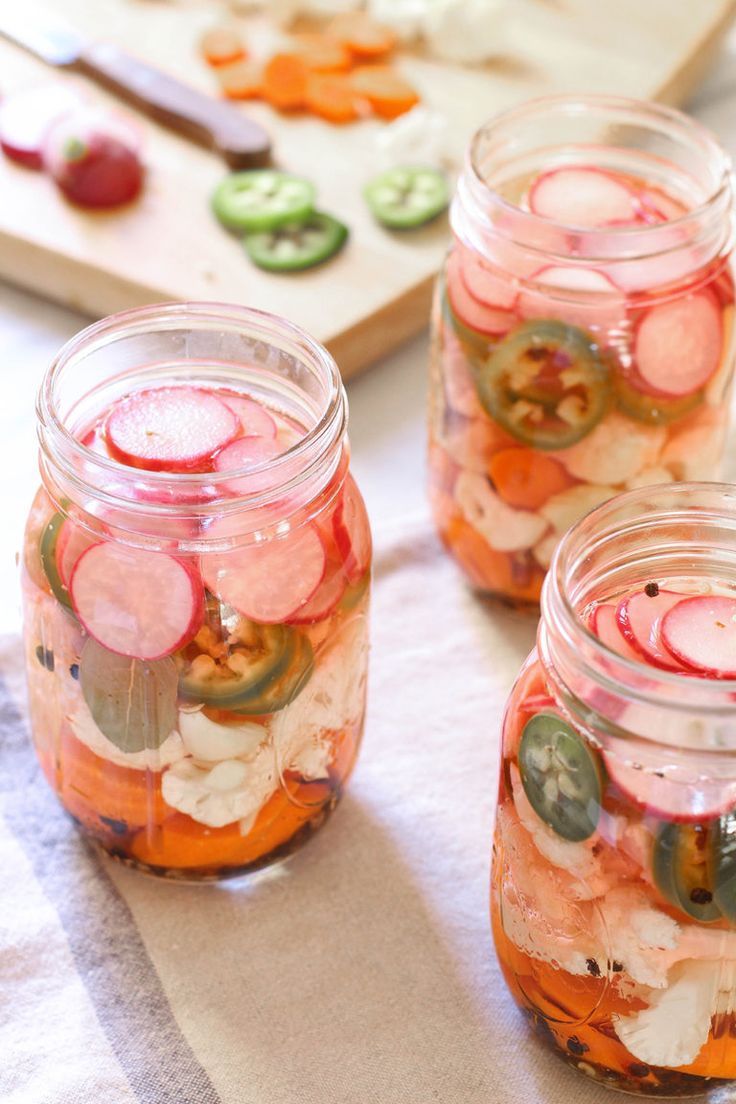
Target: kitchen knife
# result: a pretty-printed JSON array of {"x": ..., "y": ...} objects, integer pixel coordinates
[{"x": 218, "y": 126}]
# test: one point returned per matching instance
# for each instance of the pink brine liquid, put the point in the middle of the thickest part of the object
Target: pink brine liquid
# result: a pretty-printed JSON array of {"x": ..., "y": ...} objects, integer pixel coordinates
[{"x": 197, "y": 698}]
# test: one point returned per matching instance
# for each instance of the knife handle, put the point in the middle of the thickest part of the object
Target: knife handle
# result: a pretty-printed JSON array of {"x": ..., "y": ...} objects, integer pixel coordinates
[{"x": 219, "y": 126}]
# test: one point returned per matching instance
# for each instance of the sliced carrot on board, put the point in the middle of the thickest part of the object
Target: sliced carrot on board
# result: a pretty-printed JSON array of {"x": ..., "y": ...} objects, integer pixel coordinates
[
  {"x": 362, "y": 35},
  {"x": 322, "y": 53},
  {"x": 526, "y": 479},
  {"x": 221, "y": 46},
  {"x": 386, "y": 90},
  {"x": 243, "y": 80},
  {"x": 333, "y": 97},
  {"x": 285, "y": 80}
]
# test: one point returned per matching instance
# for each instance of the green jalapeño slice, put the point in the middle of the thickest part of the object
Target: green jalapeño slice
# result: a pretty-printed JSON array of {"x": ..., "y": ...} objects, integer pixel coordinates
[
  {"x": 561, "y": 776},
  {"x": 546, "y": 384}
]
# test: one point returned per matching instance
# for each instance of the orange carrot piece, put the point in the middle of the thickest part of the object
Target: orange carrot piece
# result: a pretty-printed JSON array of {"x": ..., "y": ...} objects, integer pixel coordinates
[
  {"x": 285, "y": 80},
  {"x": 221, "y": 46},
  {"x": 526, "y": 479},
  {"x": 333, "y": 97},
  {"x": 386, "y": 90},
  {"x": 321, "y": 53},
  {"x": 243, "y": 80},
  {"x": 488, "y": 569},
  {"x": 362, "y": 35}
]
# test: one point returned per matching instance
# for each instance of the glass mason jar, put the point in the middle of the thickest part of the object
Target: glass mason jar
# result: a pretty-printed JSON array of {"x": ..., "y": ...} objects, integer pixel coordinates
[
  {"x": 614, "y": 871},
  {"x": 582, "y": 327},
  {"x": 196, "y": 580}
]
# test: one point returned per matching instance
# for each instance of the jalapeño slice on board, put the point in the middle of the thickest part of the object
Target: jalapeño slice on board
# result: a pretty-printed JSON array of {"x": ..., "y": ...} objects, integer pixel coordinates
[
  {"x": 297, "y": 245},
  {"x": 262, "y": 200}
]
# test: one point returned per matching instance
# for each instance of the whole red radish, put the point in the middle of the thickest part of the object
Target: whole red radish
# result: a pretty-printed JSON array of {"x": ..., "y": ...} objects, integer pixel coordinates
[{"x": 94, "y": 159}]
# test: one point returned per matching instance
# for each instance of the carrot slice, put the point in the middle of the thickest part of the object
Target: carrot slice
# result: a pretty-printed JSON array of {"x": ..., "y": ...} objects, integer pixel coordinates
[
  {"x": 243, "y": 80},
  {"x": 322, "y": 53},
  {"x": 285, "y": 80},
  {"x": 222, "y": 45},
  {"x": 486, "y": 568},
  {"x": 362, "y": 35},
  {"x": 526, "y": 479},
  {"x": 333, "y": 98},
  {"x": 386, "y": 91}
]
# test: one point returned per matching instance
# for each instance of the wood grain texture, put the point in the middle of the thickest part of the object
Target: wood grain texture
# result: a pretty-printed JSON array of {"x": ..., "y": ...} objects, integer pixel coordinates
[{"x": 376, "y": 294}]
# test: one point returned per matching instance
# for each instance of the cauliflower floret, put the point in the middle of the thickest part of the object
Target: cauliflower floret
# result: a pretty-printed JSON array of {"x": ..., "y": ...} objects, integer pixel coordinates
[
  {"x": 84, "y": 728},
  {"x": 544, "y": 551},
  {"x": 404, "y": 17},
  {"x": 643, "y": 938},
  {"x": 674, "y": 1027},
  {"x": 205, "y": 739},
  {"x": 650, "y": 476},
  {"x": 564, "y": 509},
  {"x": 234, "y": 789},
  {"x": 466, "y": 31},
  {"x": 471, "y": 442},
  {"x": 505, "y": 529},
  {"x": 617, "y": 449},
  {"x": 419, "y": 137},
  {"x": 695, "y": 453}
]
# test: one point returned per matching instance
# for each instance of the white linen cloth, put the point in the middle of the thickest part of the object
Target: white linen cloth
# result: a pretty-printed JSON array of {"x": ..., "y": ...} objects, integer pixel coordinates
[{"x": 362, "y": 972}]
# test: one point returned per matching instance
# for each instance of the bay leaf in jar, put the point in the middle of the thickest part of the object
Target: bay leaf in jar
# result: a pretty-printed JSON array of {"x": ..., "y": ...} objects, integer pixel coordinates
[{"x": 132, "y": 701}]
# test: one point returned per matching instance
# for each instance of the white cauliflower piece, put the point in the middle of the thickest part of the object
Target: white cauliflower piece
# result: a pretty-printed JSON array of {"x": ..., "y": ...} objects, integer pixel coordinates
[
  {"x": 285, "y": 12},
  {"x": 639, "y": 936},
  {"x": 232, "y": 790},
  {"x": 86, "y": 731},
  {"x": 206, "y": 740},
  {"x": 471, "y": 442},
  {"x": 404, "y": 17},
  {"x": 650, "y": 476},
  {"x": 675, "y": 1026},
  {"x": 564, "y": 509},
  {"x": 466, "y": 31},
  {"x": 505, "y": 529},
  {"x": 695, "y": 453},
  {"x": 332, "y": 700},
  {"x": 420, "y": 136},
  {"x": 617, "y": 449}
]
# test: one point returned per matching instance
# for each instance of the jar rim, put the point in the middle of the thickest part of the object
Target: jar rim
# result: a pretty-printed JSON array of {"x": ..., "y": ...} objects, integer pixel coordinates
[
  {"x": 57, "y": 439},
  {"x": 605, "y": 243},
  {"x": 561, "y": 618}
]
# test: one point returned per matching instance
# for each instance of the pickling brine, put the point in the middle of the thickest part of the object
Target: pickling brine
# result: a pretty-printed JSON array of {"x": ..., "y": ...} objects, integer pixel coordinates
[
  {"x": 614, "y": 874},
  {"x": 196, "y": 580},
  {"x": 582, "y": 328}
]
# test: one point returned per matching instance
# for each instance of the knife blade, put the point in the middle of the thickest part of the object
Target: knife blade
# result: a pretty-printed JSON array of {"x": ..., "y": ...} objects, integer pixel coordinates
[{"x": 215, "y": 125}]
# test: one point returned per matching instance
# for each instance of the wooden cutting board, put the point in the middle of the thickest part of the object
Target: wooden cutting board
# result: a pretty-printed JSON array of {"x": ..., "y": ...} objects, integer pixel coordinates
[{"x": 376, "y": 294}]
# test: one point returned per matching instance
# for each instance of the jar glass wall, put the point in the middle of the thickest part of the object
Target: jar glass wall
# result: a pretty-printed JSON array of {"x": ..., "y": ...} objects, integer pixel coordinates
[
  {"x": 614, "y": 871},
  {"x": 196, "y": 579},
  {"x": 582, "y": 327}
]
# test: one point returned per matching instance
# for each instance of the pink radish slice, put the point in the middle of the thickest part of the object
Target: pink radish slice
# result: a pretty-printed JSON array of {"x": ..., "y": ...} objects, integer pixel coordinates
[
  {"x": 678, "y": 794},
  {"x": 171, "y": 429},
  {"x": 352, "y": 531},
  {"x": 483, "y": 284},
  {"x": 71, "y": 543},
  {"x": 701, "y": 633},
  {"x": 26, "y": 117},
  {"x": 639, "y": 618},
  {"x": 605, "y": 626},
  {"x": 254, "y": 418},
  {"x": 662, "y": 206},
  {"x": 678, "y": 344},
  {"x": 538, "y": 703},
  {"x": 472, "y": 313},
  {"x": 586, "y": 197},
  {"x": 136, "y": 603},
  {"x": 249, "y": 452},
  {"x": 602, "y": 314},
  {"x": 325, "y": 598},
  {"x": 269, "y": 582}
]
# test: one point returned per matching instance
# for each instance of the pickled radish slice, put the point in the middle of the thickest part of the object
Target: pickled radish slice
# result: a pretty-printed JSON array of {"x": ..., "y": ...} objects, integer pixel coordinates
[
  {"x": 272, "y": 581},
  {"x": 352, "y": 532},
  {"x": 172, "y": 429},
  {"x": 254, "y": 419},
  {"x": 683, "y": 795},
  {"x": 678, "y": 344},
  {"x": 325, "y": 599},
  {"x": 605, "y": 626},
  {"x": 585, "y": 197},
  {"x": 71, "y": 544},
  {"x": 575, "y": 278},
  {"x": 601, "y": 314},
  {"x": 26, "y": 117},
  {"x": 469, "y": 310},
  {"x": 136, "y": 603},
  {"x": 484, "y": 285},
  {"x": 701, "y": 633},
  {"x": 249, "y": 452},
  {"x": 639, "y": 618}
]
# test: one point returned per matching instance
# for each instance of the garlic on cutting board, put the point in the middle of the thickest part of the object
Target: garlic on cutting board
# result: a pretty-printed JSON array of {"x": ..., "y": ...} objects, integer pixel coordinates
[
  {"x": 420, "y": 137},
  {"x": 466, "y": 31}
]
